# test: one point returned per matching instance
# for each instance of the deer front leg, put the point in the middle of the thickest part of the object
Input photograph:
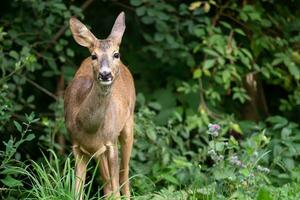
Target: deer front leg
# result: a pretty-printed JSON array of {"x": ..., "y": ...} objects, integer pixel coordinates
[
  {"x": 104, "y": 170},
  {"x": 113, "y": 163},
  {"x": 81, "y": 161},
  {"x": 126, "y": 140}
]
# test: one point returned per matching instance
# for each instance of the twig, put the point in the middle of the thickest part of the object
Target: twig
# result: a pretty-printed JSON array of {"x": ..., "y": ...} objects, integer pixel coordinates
[
  {"x": 235, "y": 20},
  {"x": 229, "y": 45},
  {"x": 5, "y": 78},
  {"x": 203, "y": 103},
  {"x": 40, "y": 42},
  {"x": 218, "y": 14},
  {"x": 42, "y": 89}
]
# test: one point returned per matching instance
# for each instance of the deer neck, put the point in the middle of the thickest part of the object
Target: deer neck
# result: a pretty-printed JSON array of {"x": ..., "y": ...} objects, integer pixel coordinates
[{"x": 94, "y": 108}]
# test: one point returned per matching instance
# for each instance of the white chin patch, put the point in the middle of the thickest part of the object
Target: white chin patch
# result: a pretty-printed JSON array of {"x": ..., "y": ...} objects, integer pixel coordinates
[{"x": 106, "y": 82}]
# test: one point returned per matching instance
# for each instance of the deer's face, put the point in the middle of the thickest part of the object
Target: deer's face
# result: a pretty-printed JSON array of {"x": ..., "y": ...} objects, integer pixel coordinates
[
  {"x": 105, "y": 61},
  {"x": 105, "y": 54}
]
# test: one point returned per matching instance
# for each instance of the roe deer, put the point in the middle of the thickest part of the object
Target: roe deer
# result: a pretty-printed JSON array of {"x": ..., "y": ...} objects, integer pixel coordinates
[{"x": 99, "y": 109}]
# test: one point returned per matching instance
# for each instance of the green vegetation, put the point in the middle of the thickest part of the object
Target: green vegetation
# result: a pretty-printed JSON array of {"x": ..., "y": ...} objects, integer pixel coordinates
[{"x": 218, "y": 97}]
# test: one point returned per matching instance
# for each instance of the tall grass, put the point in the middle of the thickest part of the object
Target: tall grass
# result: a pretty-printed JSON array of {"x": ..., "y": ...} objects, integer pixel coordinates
[{"x": 53, "y": 180}]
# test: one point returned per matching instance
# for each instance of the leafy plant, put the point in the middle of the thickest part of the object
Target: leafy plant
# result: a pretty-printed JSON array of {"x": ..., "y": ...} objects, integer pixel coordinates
[{"x": 10, "y": 156}]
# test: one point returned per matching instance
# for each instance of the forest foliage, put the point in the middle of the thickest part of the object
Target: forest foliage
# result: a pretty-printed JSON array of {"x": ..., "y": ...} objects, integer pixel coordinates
[{"x": 218, "y": 96}]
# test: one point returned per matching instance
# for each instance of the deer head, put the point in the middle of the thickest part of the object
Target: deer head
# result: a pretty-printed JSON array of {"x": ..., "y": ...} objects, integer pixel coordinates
[{"x": 105, "y": 54}]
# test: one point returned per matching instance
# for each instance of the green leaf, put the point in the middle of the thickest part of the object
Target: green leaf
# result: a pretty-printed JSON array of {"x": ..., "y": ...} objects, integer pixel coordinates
[
  {"x": 155, "y": 105},
  {"x": 182, "y": 163},
  {"x": 209, "y": 63},
  {"x": 197, "y": 73},
  {"x": 11, "y": 182},
  {"x": 147, "y": 20},
  {"x": 136, "y": 2},
  {"x": 294, "y": 70},
  {"x": 226, "y": 75},
  {"x": 59, "y": 6},
  {"x": 219, "y": 146},
  {"x": 240, "y": 94},
  {"x": 265, "y": 71},
  {"x": 210, "y": 52},
  {"x": 70, "y": 52},
  {"x": 165, "y": 158},
  {"x": 30, "y": 137},
  {"x": 14, "y": 54},
  {"x": 30, "y": 99},
  {"x": 140, "y": 11},
  {"x": 10, "y": 170},
  {"x": 245, "y": 172},
  {"x": 140, "y": 98},
  {"x": 233, "y": 142},
  {"x": 236, "y": 127},
  {"x": 289, "y": 163},
  {"x": 199, "y": 32},
  {"x": 195, "y": 5},
  {"x": 225, "y": 24},
  {"x": 62, "y": 58},
  {"x": 286, "y": 132},
  {"x": 68, "y": 72},
  {"x": 171, "y": 179},
  {"x": 18, "y": 126},
  {"x": 278, "y": 122},
  {"x": 223, "y": 173},
  {"x": 47, "y": 73},
  {"x": 162, "y": 16},
  {"x": 158, "y": 37},
  {"x": 264, "y": 194},
  {"x": 151, "y": 134},
  {"x": 239, "y": 31}
]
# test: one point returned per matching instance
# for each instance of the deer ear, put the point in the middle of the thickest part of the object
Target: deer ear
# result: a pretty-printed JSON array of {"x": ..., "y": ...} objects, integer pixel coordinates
[
  {"x": 81, "y": 33},
  {"x": 118, "y": 28}
]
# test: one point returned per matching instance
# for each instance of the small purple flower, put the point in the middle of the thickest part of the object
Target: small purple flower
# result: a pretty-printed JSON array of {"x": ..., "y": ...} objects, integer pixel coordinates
[
  {"x": 213, "y": 129},
  {"x": 234, "y": 160},
  {"x": 220, "y": 158},
  {"x": 214, "y": 156},
  {"x": 212, "y": 153},
  {"x": 263, "y": 169}
]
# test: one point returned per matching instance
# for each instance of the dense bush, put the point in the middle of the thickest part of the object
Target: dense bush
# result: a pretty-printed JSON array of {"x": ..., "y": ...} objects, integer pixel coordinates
[{"x": 217, "y": 103}]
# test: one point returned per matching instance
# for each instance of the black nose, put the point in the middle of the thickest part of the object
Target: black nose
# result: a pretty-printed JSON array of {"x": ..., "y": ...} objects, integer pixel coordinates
[{"x": 105, "y": 76}]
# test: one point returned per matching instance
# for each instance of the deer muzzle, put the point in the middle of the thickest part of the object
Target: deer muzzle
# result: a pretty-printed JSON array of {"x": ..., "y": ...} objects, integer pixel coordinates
[{"x": 105, "y": 77}]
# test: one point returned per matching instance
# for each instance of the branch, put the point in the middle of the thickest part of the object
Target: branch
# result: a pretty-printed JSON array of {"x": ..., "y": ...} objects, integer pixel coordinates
[
  {"x": 42, "y": 89},
  {"x": 215, "y": 19},
  {"x": 229, "y": 45},
  {"x": 5, "y": 78},
  {"x": 203, "y": 103},
  {"x": 235, "y": 20}
]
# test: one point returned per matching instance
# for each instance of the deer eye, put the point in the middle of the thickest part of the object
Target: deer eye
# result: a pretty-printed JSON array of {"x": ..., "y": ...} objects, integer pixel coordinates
[
  {"x": 116, "y": 55},
  {"x": 94, "y": 57}
]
